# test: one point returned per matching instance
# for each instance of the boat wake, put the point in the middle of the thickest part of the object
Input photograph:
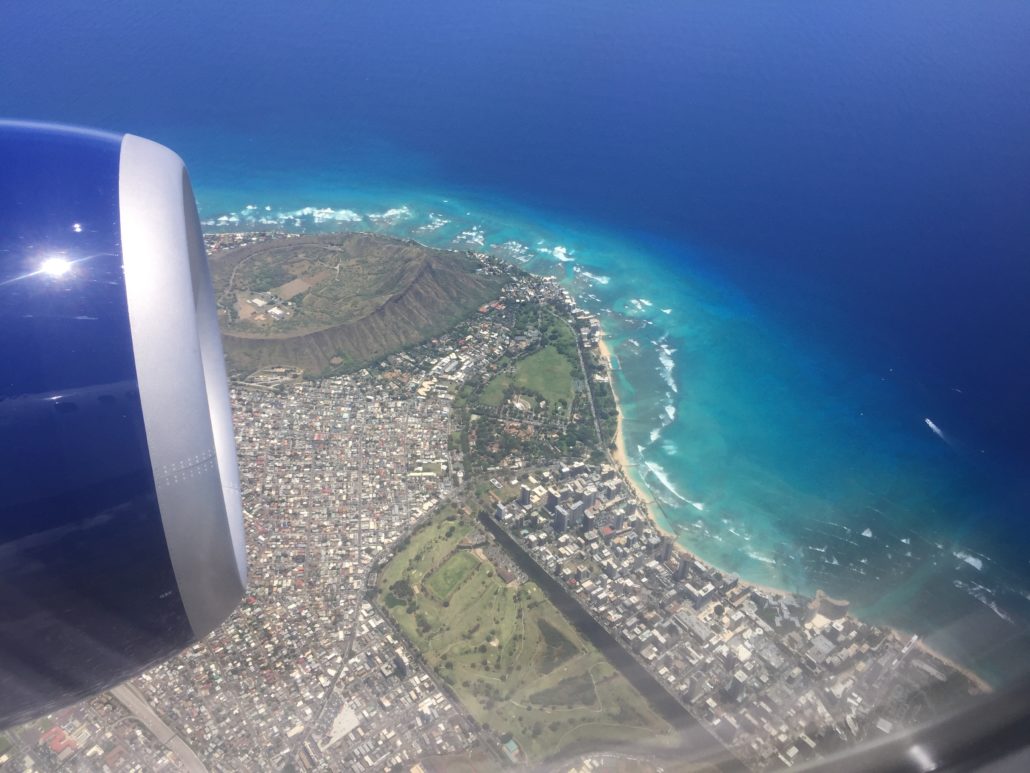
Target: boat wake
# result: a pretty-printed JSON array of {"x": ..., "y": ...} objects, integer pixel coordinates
[{"x": 938, "y": 432}]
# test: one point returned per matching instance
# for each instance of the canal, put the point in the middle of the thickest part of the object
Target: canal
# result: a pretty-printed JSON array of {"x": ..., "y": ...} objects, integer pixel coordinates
[{"x": 698, "y": 744}]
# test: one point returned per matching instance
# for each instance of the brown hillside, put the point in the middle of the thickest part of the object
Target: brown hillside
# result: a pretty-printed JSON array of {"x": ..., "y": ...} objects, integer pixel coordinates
[{"x": 344, "y": 300}]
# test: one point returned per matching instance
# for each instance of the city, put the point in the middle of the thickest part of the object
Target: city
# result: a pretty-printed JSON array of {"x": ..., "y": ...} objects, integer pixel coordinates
[{"x": 311, "y": 672}]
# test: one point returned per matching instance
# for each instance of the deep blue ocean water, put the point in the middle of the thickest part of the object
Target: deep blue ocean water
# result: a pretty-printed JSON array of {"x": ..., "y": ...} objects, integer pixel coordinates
[{"x": 806, "y": 227}]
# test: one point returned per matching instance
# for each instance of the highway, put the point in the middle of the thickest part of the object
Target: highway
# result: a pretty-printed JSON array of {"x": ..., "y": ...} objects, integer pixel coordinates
[{"x": 132, "y": 700}]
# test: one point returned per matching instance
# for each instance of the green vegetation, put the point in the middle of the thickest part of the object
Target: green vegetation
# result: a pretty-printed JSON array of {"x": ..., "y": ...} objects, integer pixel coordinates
[
  {"x": 5, "y": 744},
  {"x": 493, "y": 393},
  {"x": 268, "y": 276},
  {"x": 454, "y": 571},
  {"x": 573, "y": 691},
  {"x": 349, "y": 299},
  {"x": 548, "y": 373},
  {"x": 558, "y": 647},
  {"x": 553, "y": 330},
  {"x": 474, "y": 761},
  {"x": 511, "y": 658},
  {"x": 535, "y": 405},
  {"x": 545, "y": 374},
  {"x": 607, "y": 411}
]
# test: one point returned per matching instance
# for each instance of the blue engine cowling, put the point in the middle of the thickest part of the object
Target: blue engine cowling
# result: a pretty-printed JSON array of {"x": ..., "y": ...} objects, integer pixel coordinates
[{"x": 121, "y": 532}]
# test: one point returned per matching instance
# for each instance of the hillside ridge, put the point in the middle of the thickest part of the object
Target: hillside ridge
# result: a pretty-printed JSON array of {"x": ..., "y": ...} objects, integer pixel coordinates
[{"x": 361, "y": 296}]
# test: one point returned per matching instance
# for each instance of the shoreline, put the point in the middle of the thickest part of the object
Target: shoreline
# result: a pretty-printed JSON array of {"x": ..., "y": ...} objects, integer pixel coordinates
[
  {"x": 647, "y": 499},
  {"x": 621, "y": 459}
]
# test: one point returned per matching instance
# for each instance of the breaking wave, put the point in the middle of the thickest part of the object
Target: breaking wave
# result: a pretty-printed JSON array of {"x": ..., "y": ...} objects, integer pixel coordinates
[
  {"x": 516, "y": 250},
  {"x": 252, "y": 215},
  {"x": 759, "y": 557},
  {"x": 327, "y": 215},
  {"x": 473, "y": 237},
  {"x": 558, "y": 252},
  {"x": 601, "y": 280},
  {"x": 973, "y": 561},
  {"x": 665, "y": 353},
  {"x": 390, "y": 216},
  {"x": 982, "y": 594},
  {"x": 663, "y": 478},
  {"x": 436, "y": 222}
]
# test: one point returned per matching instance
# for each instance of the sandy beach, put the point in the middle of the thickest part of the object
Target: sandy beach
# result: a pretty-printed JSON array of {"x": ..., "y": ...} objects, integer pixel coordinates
[
  {"x": 972, "y": 676},
  {"x": 619, "y": 454},
  {"x": 621, "y": 458}
]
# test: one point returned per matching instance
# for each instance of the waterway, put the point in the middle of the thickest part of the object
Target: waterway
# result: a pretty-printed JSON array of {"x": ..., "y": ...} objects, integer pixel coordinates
[{"x": 697, "y": 745}]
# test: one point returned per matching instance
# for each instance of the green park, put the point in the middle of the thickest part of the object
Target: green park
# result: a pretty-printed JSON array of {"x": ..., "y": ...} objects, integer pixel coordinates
[
  {"x": 508, "y": 654},
  {"x": 545, "y": 373}
]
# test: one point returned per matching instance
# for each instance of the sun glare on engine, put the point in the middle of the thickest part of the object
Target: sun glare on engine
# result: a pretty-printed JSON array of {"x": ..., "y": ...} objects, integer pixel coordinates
[{"x": 55, "y": 267}]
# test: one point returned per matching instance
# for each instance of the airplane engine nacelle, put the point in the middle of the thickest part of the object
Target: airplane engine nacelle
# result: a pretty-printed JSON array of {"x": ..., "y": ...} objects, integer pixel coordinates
[{"x": 121, "y": 532}]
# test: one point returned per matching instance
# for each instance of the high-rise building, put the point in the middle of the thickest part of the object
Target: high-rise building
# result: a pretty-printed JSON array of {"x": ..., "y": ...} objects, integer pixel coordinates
[
  {"x": 589, "y": 495},
  {"x": 665, "y": 551},
  {"x": 589, "y": 521},
  {"x": 552, "y": 498},
  {"x": 576, "y": 510},
  {"x": 524, "y": 496},
  {"x": 681, "y": 569}
]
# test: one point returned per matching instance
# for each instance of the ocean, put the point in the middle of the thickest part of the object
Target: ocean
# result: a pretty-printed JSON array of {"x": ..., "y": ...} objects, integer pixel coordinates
[{"x": 804, "y": 227}]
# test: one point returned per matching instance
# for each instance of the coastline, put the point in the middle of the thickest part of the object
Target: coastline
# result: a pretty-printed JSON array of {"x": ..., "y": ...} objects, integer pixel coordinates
[{"x": 621, "y": 459}]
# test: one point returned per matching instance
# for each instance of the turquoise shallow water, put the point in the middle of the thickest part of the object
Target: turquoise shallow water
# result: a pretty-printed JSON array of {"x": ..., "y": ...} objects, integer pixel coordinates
[{"x": 767, "y": 454}]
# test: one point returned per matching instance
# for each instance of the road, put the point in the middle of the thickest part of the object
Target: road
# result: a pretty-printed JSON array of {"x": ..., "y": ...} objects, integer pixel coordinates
[{"x": 132, "y": 700}]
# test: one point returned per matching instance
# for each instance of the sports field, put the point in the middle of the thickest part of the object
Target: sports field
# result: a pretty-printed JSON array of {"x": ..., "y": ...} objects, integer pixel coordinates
[
  {"x": 454, "y": 571},
  {"x": 547, "y": 373},
  {"x": 513, "y": 660}
]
